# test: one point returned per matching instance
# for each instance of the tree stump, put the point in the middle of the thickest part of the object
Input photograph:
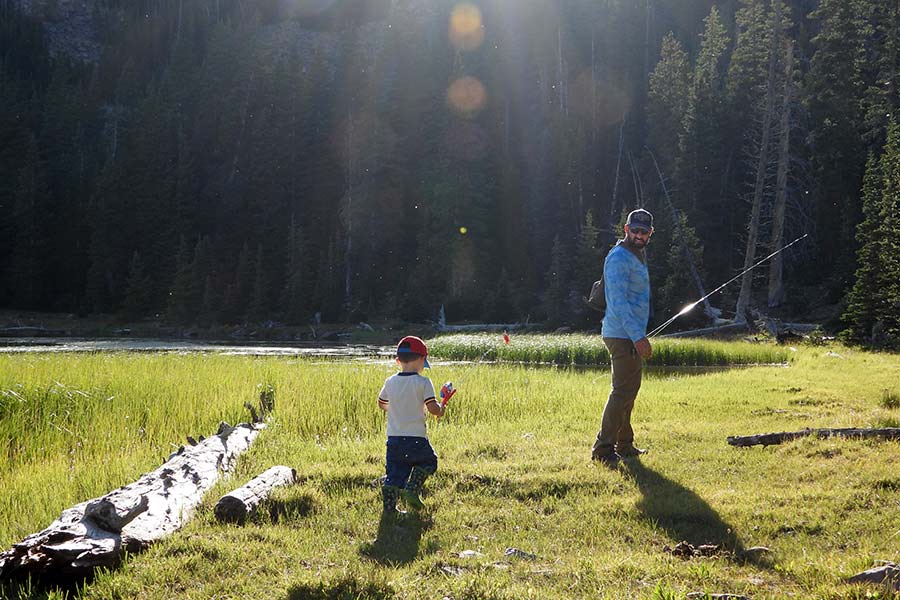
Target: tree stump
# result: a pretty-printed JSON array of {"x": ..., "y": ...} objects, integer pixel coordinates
[
  {"x": 236, "y": 506},
  {"x": 98, "y": 532}
]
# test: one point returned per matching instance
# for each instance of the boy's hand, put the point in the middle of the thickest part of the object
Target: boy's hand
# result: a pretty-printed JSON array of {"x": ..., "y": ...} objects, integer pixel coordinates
[{"x": 447, "y": 391}]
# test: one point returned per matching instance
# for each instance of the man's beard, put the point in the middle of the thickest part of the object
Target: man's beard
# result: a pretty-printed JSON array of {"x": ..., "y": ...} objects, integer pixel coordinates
[{"x": 637, "y": 242}]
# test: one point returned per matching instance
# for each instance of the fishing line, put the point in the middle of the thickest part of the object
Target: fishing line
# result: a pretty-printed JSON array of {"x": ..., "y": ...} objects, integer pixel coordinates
[{"x": 688, "y": 308}]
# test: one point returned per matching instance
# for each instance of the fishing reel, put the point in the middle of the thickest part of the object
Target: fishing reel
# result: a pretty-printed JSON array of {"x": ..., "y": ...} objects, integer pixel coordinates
[{"x": 447, "y": 391}]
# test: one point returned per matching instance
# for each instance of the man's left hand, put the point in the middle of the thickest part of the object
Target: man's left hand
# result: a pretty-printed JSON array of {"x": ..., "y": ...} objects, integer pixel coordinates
[{"x": 643, "y": 348}]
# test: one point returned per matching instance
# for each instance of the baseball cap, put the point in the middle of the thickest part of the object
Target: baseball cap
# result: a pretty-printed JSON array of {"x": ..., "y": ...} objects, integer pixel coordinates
[
  {"x": 415, "y": 345},
  {"x": 640, "y": 218}
]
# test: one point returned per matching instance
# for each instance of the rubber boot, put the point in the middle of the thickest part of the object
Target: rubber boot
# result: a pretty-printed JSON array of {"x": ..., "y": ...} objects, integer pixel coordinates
[
  {"x": 414, "y": 486},
  {"x": 389, "y": 496}
]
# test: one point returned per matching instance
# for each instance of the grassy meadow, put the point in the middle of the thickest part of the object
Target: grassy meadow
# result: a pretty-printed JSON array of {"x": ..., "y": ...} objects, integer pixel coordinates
[{"x": 514, "y": 473}]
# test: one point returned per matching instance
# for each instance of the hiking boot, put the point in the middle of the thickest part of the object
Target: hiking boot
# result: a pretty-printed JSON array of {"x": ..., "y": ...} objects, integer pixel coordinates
[
  {"x": 412, "y": 499},
  {"x": 610, "y": 459},
  {"x": 630, "y": 451}
]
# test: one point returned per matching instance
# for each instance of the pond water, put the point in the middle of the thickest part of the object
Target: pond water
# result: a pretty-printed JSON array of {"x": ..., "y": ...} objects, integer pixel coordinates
[
  {"x": 325, "y": 350},
  {"x": 333, "y": 350}
]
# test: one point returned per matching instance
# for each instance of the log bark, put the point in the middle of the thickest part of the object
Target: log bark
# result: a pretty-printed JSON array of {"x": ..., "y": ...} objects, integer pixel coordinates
[
  {"x": 770, "y": 439},
  {"x": 236, "y": 506},
  {"x": 98, "y": 532}
]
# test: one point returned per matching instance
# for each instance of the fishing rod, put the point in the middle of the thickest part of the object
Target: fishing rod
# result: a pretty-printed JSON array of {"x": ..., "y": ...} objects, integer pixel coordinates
[{"x": 688, "y": 308}]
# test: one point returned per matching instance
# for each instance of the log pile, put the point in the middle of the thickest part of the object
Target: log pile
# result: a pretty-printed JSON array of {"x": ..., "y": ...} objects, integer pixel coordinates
[{"x": 98, "y": 532}]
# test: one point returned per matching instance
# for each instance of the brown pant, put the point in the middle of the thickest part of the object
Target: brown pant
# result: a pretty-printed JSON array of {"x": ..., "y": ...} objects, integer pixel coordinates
[{"x": 616, "y": 431}]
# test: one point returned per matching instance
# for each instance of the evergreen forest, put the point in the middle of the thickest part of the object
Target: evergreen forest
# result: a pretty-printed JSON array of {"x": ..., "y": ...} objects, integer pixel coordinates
[{"x": 229, "y": 162}]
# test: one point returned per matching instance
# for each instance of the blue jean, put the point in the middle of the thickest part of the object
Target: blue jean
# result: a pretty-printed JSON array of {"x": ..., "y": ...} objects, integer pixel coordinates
[{"x": 404, "y": 453}]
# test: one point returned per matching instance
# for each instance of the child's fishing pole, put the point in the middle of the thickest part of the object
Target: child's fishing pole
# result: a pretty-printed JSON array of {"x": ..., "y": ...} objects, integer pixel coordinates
[
  {"x": 447, "y": 390},
  {"x": 688, "y": 308}
]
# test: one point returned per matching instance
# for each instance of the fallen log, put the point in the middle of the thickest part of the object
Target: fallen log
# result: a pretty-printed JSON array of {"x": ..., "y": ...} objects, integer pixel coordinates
[
  {"x": 888, "y": 574},
  {"x": 98, "y": 532},
  {"x": 236, "y": 506},
  {"x": 770, "y": 439},
  {"x": 706, "y": 596}
]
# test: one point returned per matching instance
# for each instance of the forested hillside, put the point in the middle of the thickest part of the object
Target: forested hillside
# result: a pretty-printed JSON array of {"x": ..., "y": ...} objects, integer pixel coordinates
[{"x": 224, "y": 161}]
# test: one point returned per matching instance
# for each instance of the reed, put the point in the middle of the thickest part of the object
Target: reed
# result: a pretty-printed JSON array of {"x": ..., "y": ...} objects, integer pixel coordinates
[{"x": 588, "y": 350}]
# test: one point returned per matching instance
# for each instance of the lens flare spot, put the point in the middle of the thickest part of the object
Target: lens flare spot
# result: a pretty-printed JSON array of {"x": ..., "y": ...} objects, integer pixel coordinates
[
  {"x": 463, "y": 230},
  {"x": 466, "y": 29},
  {"x": 466, "y": 96}
]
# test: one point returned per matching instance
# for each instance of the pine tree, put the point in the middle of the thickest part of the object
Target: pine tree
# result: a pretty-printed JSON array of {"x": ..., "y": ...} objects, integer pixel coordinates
[
  {"x": 556, "y": 285},
  {"x": 205, "y": 299},
  {"x": 180, "y": 307},
  {"x": 873, "y": 304},
  {"x": 834, "y": 88},
  {"x": 29, "y": 260},
  {"x": 138, "y": 297},
  {"x": 294, "y": 302},
  {"x": 679, "y": 288},
  {"x": 588, "y": 266},
  {"x": 237, "y": 293},
  {"x": 667, "y": 101},
  {"x": 702, "y": 153},
  {"x": 259, "y": 301},
  {"x": 746, "y": 81}
]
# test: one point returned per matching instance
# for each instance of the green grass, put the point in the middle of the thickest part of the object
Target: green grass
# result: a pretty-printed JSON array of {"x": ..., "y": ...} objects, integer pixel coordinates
[
  {"x": 586, "y": 349},
  {"x": 514, "y": 473}
]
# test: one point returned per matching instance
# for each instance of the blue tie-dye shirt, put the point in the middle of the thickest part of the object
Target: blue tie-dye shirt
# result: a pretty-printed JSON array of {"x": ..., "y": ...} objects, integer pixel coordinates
[{"x": 626, "y": 283}]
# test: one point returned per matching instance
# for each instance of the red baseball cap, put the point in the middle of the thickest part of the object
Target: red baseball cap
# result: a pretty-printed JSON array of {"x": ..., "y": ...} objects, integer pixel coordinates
[{"x": 415, "y": 345}]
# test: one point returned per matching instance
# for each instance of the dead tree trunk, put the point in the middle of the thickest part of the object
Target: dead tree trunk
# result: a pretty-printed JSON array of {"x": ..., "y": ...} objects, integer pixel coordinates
[
  {"x": 97, "y": 533},
  {"x": 759, "y": 185},
  {"x": 236, "y": 506},
  {"x": 776, "y": 282},
  {"x": 770, "y": 439}
]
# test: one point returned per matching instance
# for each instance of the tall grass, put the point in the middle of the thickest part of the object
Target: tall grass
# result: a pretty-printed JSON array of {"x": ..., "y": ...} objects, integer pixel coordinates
[
  {"x": 582, "y": 349},
  {"x": 513, "y": 473}
]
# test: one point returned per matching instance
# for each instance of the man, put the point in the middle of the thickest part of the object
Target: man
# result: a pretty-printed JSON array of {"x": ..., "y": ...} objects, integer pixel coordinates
[{"x": 627, "y": 291}]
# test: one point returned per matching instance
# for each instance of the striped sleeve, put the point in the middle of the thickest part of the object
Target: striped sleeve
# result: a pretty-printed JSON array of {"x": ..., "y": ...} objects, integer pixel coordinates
[
  {"x": 428, "y": 391},
  {"x": 383, "y": 396}
]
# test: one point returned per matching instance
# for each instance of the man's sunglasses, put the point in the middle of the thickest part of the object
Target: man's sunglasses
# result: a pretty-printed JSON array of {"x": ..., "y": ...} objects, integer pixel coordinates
[{"x": 639, "y": 231}]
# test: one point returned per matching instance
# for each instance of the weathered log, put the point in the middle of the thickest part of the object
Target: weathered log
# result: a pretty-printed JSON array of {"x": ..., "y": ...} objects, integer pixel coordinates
[
  {"x": 704, "y": 596},
  {"x": 236, "y": 506},
  {"x": 98, "y": 532},
  {"x": 887, "y": 574},
  {"x": 770, "y": 439}
]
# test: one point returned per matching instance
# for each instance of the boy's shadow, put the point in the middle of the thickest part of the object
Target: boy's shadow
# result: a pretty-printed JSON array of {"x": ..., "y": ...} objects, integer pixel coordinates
[
  {"x": 684, "y": 515},
  {"x": 398, "y": 538}
]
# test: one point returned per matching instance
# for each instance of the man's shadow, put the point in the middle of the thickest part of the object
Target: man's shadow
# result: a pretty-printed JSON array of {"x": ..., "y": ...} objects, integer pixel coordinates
[
  {"x": 398, "y": 538},
  {"x": 685, "y": 516}
]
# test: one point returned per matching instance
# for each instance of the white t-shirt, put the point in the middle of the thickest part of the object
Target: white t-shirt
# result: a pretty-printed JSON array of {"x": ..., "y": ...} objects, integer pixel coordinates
[{"x": 405, "y": 395}]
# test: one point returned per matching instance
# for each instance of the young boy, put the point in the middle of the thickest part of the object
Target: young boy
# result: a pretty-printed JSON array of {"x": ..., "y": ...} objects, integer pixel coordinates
[{"x": 405, "y": 397}]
